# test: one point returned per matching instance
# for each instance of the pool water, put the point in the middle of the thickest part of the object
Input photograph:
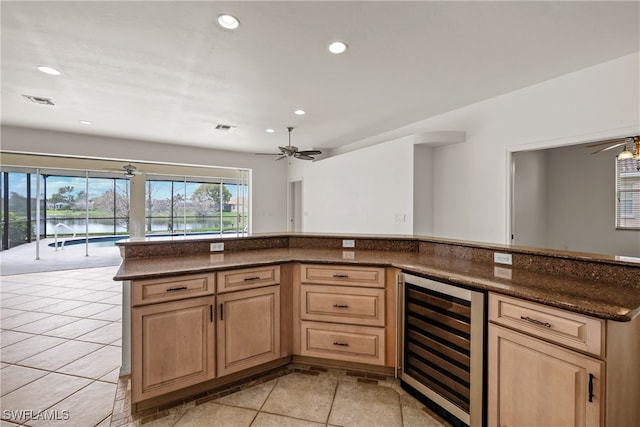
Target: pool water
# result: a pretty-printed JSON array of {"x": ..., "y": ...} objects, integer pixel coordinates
[
  {"x": 110, "y": 241},
  {"x": 100, "y": 242}
]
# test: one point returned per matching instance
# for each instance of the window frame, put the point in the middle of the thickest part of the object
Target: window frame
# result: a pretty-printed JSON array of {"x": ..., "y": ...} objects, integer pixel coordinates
[{"x": 627, "y": 187}]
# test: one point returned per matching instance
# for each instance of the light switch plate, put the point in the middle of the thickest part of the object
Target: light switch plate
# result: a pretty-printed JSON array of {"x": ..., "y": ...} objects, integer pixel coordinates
[{"x": 348, "y": 243}]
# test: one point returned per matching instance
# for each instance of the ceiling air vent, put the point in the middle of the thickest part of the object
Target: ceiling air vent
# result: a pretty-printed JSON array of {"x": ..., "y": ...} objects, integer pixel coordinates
[
  {"x": 40, "y": 100},
  {"x": 224, "y": 127}
]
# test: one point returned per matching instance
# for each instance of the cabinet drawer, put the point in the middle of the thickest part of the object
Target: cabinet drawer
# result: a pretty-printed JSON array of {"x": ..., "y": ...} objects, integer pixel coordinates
[
  {"x": 171, "y": 288},
  {"x": 343, "y": 275},
  {"x": 248, "y": 278},
  {"x": 569, "y": 329},
  {"x": 360, "y": 344},
  {"x": 360, "y": 306}
]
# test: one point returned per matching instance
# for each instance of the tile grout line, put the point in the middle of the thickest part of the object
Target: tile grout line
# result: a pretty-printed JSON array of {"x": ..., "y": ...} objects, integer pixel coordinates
[
  {"x": 265, "y": 401},
  {"x": 333, "y": 399}
]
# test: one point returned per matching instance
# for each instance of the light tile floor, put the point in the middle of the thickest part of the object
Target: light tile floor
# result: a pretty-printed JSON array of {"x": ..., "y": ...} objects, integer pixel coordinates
[
  {"x": 60, "y": 353},
  {"x": 305, "y": 398},
  {"x": 60, "y": 347}
]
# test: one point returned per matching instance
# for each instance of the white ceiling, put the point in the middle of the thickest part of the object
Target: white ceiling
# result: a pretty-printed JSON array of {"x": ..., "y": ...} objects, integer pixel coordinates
[{"x": 165, "y": 72}]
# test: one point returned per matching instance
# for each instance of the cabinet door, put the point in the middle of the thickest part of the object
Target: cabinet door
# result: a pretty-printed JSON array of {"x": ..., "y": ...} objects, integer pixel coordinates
[
  {"x": 248, "y": 328},
  {"x": 172, "y": 346},
  {"x": 534, "y": 383}
]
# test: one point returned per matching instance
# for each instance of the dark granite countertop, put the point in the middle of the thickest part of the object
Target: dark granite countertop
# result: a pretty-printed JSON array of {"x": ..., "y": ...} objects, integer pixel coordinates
[{"x": 596, "y": 296}]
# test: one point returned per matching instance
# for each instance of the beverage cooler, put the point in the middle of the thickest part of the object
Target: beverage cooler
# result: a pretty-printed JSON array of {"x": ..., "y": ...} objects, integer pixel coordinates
[{"x": 443, "y": 350}]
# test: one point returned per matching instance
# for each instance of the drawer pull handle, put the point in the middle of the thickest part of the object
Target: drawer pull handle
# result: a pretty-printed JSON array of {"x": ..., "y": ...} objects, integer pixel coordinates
[
  {"x": 536, "y": 322},
  {"x": 248, "y": 279},
  {"x": 341, "y": 344},
  {"x": 340, "y": 276},
  {"x": 340, "y": 306},
  {"x": 591, "y": 377},
  {"x": 177, "y": 288}
]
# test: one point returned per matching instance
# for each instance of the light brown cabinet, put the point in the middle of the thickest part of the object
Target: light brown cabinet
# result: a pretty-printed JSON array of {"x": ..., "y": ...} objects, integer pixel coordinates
[
  {"x": 343, "y": 304},
  {"x": 552, "y": 367},
  {"x": 534, "y": 383},
  {"x": 248, "y": 328},
  {"x": 172, "y": 346},
  {"x": 248, "y": 278},
  {"x": 343, "y": 313},
  {"x": 183, "y": 334},
  {"x": 152, "y": 291}
]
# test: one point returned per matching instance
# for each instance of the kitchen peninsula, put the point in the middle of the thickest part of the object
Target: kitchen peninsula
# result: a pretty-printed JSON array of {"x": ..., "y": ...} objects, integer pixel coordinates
[{"x": 314, "y": 300}]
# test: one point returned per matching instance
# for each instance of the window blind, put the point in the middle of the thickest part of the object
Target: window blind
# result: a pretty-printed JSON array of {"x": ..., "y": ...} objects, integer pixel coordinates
[{"x": 628, "y": 194}]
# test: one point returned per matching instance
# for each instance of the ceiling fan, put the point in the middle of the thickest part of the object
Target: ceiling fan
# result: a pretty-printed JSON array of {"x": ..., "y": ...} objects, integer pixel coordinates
[
  {"x": 292, "y": 151},
  {"x": 128, "y": 170},
  {"x": 614, "y": 143}
]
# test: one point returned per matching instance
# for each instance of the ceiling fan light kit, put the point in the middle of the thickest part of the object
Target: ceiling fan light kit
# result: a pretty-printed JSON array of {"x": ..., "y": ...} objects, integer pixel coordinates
[
  {"x": 129, "y": 170},
  {"x": 626, "y": 154}
]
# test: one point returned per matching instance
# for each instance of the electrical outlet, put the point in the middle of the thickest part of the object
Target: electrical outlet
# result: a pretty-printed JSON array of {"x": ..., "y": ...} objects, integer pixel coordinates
[
  {"x": 400, "y": 217},
  {"x": 500, "y": 258},
  {"x": 502, "y": 272},
  {"x": 348, "y": 243},
  {"x": 348, "y": 255},
  {"x": 216, "y": 258},
  {"x": 217, "y": 247}
]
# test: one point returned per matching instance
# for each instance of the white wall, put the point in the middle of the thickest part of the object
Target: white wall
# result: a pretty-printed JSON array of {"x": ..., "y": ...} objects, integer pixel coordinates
[
  {"x": 423, "y": 187},
  {"x": 581, "y": 203},
  {"x": 364, "y": 191},
  {"x": 564, "y": 198},
  {"x": 530, "y": 199},
  {"x": 269, "y": 190},
  {"x": 471, "y": 185}
]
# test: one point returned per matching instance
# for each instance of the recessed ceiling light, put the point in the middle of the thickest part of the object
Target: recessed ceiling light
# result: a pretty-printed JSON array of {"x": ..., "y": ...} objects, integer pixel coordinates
[
  {"x": 229, "y": 22},
  {"x": 337, "y": 47},
  {"x": 299, "y": 112},
  {"x": 270, "y": 130},
  {"x": 49, "y": 70},
  {"x": 85, "y": 122}
]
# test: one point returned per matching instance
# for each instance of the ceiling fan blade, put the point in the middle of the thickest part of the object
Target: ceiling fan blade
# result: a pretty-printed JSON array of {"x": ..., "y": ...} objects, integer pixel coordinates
[
  {"x": 310, "y": 152},
  {"x": 609, "y": 147},
  {"x": 281, "y": 157},
  {"x": 268, "y": 154},
  {"x": 301, "y": 156},
  {"x": 611, "y": 141}
]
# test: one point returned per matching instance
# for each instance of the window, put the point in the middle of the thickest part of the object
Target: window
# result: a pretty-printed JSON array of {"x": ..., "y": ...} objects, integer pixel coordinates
[
  {"x": 106, "y": 205},
  {"x": 63, "y": 200},
  {"x": 628, "y": 194},
  {"x": 196, "y": 205}
]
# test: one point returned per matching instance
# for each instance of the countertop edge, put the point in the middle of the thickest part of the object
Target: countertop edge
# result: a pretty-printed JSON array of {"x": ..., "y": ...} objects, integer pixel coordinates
[{"x": 615, "y": 313}]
